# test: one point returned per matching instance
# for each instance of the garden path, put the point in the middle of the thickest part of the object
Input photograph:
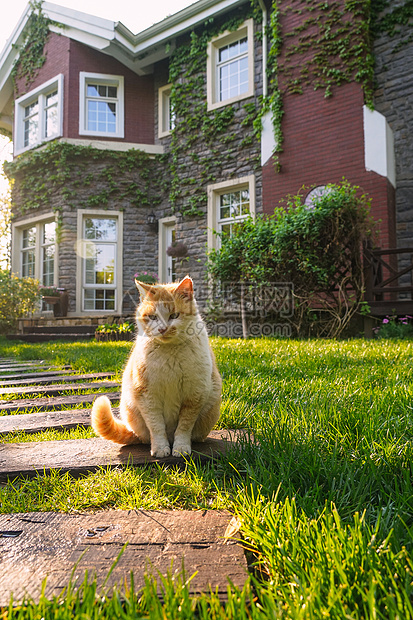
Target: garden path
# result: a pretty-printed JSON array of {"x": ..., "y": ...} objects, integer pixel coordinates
[{"x": 37, "y": 397}]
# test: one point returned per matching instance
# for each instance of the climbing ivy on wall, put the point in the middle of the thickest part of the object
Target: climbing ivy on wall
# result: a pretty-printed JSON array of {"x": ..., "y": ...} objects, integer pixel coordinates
[
  {"x": 31, "y": 52},
  {"x": 211, "y": 131},
  {"x": 330, "y": 46},
  {"x": 65, "y": 168},
  {"x": 390, "y": 18}
]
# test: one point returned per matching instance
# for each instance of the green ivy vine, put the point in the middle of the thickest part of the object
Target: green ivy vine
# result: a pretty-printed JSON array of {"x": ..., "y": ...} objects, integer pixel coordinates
[
  {"x": 330, "y": 46},
  {"x": 65, "y": 168},
  {"x": 31, "y": 52},
  {"x": 199, "y": 126},
  {"x": 386, "y": 18}
]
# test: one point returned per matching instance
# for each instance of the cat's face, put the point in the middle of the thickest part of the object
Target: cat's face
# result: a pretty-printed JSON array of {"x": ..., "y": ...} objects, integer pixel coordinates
[{"x": 166, "y": 310}]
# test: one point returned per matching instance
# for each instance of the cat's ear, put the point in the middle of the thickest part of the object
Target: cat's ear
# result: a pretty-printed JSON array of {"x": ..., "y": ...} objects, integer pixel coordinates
[
  {"x": 186, "y": 288},
  {"x": 144, "y": 289}
]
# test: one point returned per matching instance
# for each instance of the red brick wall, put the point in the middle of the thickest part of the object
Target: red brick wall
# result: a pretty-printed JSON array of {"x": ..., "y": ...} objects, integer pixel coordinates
[
  {"x": 324, "y": 142},
  {"x": 57, "y": 61},
  {"x": 139, "y": 94},
  {"x": 69, "y": 57}
]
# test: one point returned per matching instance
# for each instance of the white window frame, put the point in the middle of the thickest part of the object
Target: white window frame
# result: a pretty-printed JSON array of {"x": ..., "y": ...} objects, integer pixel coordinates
[
  {"x": 226, "y": 38},
  {"x": 165, "y": 223},
  {"x": 165, "y": 126},
  {"x": 17, "y": 237},
  {"x": 38, "y": 94},
  {"x": 214, "y": 192},
  {"x": 81, "y": 253},
  {"x": 106, "y": 80}
]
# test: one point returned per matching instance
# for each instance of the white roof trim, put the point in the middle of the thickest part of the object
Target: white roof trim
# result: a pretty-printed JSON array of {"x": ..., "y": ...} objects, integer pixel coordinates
[{"x": 112, "y": 38}]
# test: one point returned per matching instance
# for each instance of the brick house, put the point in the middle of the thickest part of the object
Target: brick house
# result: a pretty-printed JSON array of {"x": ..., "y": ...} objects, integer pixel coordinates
[{"x": 127, "y": 144}]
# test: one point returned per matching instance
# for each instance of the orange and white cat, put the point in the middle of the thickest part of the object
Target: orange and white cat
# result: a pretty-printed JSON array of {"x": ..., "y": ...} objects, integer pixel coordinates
[{"x": 171, "y": 386}]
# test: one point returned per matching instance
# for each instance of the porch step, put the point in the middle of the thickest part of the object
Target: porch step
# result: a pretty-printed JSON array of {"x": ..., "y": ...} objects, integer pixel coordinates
[
  {"x": 61, "y": 329},
  {"x": 71, "y": 333}
]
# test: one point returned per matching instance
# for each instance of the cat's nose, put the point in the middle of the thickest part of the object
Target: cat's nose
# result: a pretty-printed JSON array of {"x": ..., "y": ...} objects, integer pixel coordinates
[{"x": 162, "y": 330}]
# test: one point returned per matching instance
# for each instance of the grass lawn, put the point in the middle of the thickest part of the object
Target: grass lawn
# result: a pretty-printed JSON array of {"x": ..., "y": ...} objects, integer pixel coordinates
[{"x": 324, "y": 495}]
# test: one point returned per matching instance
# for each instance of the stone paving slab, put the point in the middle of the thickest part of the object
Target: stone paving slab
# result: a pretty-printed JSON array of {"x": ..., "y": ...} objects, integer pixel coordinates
[
  {"x": 46, "y": 420},
  {"x": 52, "y": 378},
  {"x": 55, "y": 390},
  {"x": 52, "y": 404},
  {"x": 80, "y": 456},
  {"x": 35, "y": 546}
]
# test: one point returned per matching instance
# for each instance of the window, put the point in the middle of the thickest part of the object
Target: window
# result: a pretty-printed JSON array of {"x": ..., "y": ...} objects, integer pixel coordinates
[
  {"x": 34, "y": 250},
  {"x": 48, "y": 245},
  {"x": 28, "y": 252},
  {"x": 101, "y": 105},
  {"x": 233, "y": 207},
  {"x": 166, "y": 113},
  {"x": 100, "y": 261},
  {"x": 228, "y": 203},
  {"x": 230, "y": 68},
  {"x": 39, "y": 115},
  {"x": 314, "y": 194},
  {"x": 167, "y": 236}
]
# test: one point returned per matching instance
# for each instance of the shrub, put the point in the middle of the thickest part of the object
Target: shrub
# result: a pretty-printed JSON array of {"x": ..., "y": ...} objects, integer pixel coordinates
[
  {"x": 18, "y": 297},
  {"x": 317, "y": 250}
]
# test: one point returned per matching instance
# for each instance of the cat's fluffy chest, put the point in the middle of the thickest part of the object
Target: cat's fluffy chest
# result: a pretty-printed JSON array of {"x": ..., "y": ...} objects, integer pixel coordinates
[{"x": 175, "y": 374}]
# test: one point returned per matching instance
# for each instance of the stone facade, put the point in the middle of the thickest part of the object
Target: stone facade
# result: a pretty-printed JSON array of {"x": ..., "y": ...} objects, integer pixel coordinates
[
  {"x": 394, "y": 99},
  {"x": 228, "y": 154},
  {"x": 323, "y": 142}
]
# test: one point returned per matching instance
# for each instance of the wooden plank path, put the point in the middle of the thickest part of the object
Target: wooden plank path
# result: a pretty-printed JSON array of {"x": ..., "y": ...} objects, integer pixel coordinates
[
  {"x": 54, "y": 378},
  {"x": 49, "y": 544},
  {"x": 19, "y": 376},
  {"x": 80, "y": 456},
  {"x": 56, "y": 390},
  {"x": 52, "y": 404},
  {"x": 45, "y": 420},
  {"x": 38, "y": 545}
]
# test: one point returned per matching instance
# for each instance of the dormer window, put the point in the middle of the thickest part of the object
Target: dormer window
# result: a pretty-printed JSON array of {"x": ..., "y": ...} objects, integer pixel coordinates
[
  {"x": 39, "y": 115},
  {"x": 101, "y": 105}
]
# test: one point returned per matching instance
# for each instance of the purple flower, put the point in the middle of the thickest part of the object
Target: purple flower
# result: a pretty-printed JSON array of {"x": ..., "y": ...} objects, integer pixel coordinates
[{"x": 385, "y": 320}]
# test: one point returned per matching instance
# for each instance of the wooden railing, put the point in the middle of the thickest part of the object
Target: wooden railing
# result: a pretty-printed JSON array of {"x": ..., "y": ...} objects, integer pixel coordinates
[{"x": 386, "y": 291}]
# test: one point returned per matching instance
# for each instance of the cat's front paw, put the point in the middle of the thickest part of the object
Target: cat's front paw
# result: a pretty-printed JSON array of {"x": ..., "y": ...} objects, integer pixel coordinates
[
  {"x": 160, "y": 451},
  {"x": 181, "y": 449}
]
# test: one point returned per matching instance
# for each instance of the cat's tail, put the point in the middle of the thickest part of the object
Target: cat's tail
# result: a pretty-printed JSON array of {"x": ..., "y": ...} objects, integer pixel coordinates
[{"x": 107, "y": 426}]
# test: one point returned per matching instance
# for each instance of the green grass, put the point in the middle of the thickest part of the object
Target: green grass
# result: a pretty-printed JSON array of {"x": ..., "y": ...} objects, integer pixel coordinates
[{"x": 323, "y": 491}]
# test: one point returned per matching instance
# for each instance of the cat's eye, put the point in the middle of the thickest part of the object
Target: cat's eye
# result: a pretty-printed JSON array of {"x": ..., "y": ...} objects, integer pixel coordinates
[
  {"x": 152, "y": 317},
  {"x": 174, "y": 315}
]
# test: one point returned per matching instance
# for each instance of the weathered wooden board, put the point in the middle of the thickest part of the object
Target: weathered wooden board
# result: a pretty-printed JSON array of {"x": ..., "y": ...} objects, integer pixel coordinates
[
  {"x": 50, "y": 544},
  {"x": 6, "y": 372},
  {"x": 44, "y": 420},
  {"x": 11, "y": 364},
  {"x": 80, "y": 456},
  {"x": 55, "y": 390},
  {"x": 53, "y": 378},
  {"x": 4, "y": 379},
  {"x": 51, "y": 404}
]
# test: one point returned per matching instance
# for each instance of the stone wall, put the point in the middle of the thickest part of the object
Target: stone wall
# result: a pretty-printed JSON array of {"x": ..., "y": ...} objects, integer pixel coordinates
[
  {"x": 231, "y": 153},
  {"x": 90, "y": 179},
  {"x": 394, "y": 99}
]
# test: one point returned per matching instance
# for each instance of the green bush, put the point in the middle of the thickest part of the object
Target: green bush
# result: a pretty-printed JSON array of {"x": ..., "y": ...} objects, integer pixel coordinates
[
  {"x": 316, "y": 249},
  {"x": 18, "y": 297}
]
